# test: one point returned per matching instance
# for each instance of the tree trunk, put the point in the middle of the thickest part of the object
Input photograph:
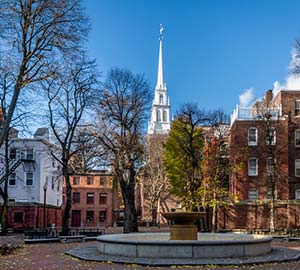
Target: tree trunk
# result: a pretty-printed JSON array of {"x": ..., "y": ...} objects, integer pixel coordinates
[
  {"x": 213, "y": 220},
  {"x": 130, "y": 216},
  {"x": 130, "y": 222},
  {"x": 66, "y": 216},
  {"x": 4, "y": 191}
]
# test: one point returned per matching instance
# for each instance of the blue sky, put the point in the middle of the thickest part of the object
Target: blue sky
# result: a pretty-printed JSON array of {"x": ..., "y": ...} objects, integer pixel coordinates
[{"x": 213, "y": 50}]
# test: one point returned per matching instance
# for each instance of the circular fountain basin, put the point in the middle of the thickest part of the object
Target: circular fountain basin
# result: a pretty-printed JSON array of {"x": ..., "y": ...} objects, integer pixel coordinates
[{"x": 209, "y": 245}]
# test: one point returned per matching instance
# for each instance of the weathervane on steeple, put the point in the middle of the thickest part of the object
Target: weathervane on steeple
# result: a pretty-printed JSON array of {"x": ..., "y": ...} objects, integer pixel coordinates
[{"x": 161, "y": 29}]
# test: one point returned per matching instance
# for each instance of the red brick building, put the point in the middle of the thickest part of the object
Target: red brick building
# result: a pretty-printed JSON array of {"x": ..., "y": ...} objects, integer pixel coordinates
[
  {"x": 94, "y": 201},
  {"x": 250, "y": 149}
]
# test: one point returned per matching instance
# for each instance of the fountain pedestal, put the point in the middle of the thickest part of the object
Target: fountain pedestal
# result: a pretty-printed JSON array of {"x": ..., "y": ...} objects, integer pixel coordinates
[{"x": 182, "y": 224}]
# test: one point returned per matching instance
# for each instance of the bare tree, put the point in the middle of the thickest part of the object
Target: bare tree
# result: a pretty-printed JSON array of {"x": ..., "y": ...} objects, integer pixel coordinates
[
  {"x": 35, "y": 34},
  {"x": 6, "y": 83},
  {"x": 89, "y": 153},
  {"x": 122, "y": 112},
  {"x": 270, "y": 125},
  {"x": 69, "y": 95},
  {"x": 155, "y": 182}
]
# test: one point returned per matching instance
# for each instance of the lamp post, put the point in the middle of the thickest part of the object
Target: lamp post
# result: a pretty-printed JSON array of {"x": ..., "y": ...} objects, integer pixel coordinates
[{"x": 45, "y": 195}]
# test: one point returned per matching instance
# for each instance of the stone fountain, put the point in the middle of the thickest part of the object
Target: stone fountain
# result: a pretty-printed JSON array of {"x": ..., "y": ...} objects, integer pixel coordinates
[
  {"x": 182, "y": 226},
  {"x": 183, "y": 242}
]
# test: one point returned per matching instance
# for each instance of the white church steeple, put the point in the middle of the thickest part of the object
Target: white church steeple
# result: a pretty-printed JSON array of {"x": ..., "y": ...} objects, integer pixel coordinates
[
  {"x": 160, "y": 111},
  {"x": 160, "y": 72}
]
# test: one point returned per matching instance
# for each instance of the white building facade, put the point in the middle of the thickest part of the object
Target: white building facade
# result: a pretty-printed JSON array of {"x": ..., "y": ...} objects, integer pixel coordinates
[{"x": 34, "y": 172}]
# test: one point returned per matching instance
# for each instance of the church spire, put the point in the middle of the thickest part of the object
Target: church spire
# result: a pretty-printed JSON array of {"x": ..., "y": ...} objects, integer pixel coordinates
[
  {"x": 160, "y": 112},
  {"x": 160, "y": 73}
]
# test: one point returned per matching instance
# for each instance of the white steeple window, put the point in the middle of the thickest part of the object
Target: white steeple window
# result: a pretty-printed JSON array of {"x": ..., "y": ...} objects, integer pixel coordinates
[
  {"x": 161, "y": 99},
  {"x": 158, "y": 117},
  {"x": 165, "y": 116}
]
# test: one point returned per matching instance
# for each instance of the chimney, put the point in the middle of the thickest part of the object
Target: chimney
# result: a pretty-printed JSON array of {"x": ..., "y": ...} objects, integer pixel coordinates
[
  {"x": 268, "y": 98},
  {"x": 42, "y": 133}
]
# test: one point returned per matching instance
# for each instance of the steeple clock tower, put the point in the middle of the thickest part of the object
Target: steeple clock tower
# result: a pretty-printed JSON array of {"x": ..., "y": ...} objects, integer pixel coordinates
[{"x": 160, "y": 111}]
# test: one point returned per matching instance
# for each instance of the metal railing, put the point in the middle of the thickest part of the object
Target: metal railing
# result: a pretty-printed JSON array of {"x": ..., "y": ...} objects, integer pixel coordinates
[{"x": 56, "y": 233}]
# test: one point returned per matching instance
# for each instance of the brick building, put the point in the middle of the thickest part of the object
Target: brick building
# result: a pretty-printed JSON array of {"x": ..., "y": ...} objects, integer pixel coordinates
[
  {"x": 251, "y": 147},
  {"x": 94, "y": 201}
]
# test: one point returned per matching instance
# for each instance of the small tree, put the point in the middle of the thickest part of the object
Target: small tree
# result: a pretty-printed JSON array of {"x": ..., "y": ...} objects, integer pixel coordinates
[
  {"x": 215, "y": 188},
  {"x": 69, "y": 95},
  {"x": 183, "y": 156},
  {"x": 122, "y": 112}
]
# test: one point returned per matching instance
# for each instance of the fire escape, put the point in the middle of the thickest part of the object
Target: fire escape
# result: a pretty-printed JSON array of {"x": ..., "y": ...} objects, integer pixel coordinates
[{"x": 12, "y": 166}]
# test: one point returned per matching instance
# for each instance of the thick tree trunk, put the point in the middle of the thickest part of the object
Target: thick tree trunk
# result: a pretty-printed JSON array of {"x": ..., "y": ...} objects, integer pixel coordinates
[
  {"x": 66, "y": 216},
  {"x": 130, "y": 216},
  {"x": 130, "y": 222}
]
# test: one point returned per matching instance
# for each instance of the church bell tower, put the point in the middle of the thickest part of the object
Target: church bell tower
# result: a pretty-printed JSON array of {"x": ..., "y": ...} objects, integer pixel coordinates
[{"x": 160, "y": 111}]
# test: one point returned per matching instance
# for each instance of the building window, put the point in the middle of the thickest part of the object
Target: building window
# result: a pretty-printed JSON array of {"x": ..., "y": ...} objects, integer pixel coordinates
[
  {"x": 165, "y": 116},
  {"x": 297, "y": 107},
  {"x": 76, "y": 180},
  {"x": 103, "y": 198},
  {"x": 297, "y": 167},
  {"x": 297, "y": 138},
  {"x": 90, "y": 180},
  {"x": 89, "y": 216},
  {"x": 161, "y": 99},
  {"x": 271, "y": 136},
  {"x": 18, "y": 217},
  {"x": 29, "y": 179},
  {"x": 58, "y": 184},
  {"x": 12, "y": 179},
  {"x": 102, "y": 216},
  {"x": 76, "y": 197},
  {"x": 253, "y": 194},
  {"x": 52, "y": 182},
  {"x": 252, "y": 136},
  {"x": 29, "y": 153},
  {"x": 158, "y": 116},
  {"x": 90, "y": 198},
  {"x": 270, "y": 166},
  {"x": 21, "y": 153},
  {"x": 13, "y": 153},
  {"x": 297, "y": 194},
  {"x": 102, "y": 180},
  {"x": 270, "y": 194},
  {"x": 252, "y": 167}
]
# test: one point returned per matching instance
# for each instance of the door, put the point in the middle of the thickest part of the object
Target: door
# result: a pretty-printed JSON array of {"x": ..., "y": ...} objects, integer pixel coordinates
[{"x": 76, "y": 218}]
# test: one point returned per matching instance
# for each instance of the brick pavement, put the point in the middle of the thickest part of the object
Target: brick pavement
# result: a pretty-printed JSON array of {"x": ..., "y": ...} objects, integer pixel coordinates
[{"x": 51, "y": 256}]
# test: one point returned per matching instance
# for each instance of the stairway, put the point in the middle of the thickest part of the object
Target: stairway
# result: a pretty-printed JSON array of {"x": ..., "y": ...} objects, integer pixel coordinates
[{"x": 13, "y": 165}]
